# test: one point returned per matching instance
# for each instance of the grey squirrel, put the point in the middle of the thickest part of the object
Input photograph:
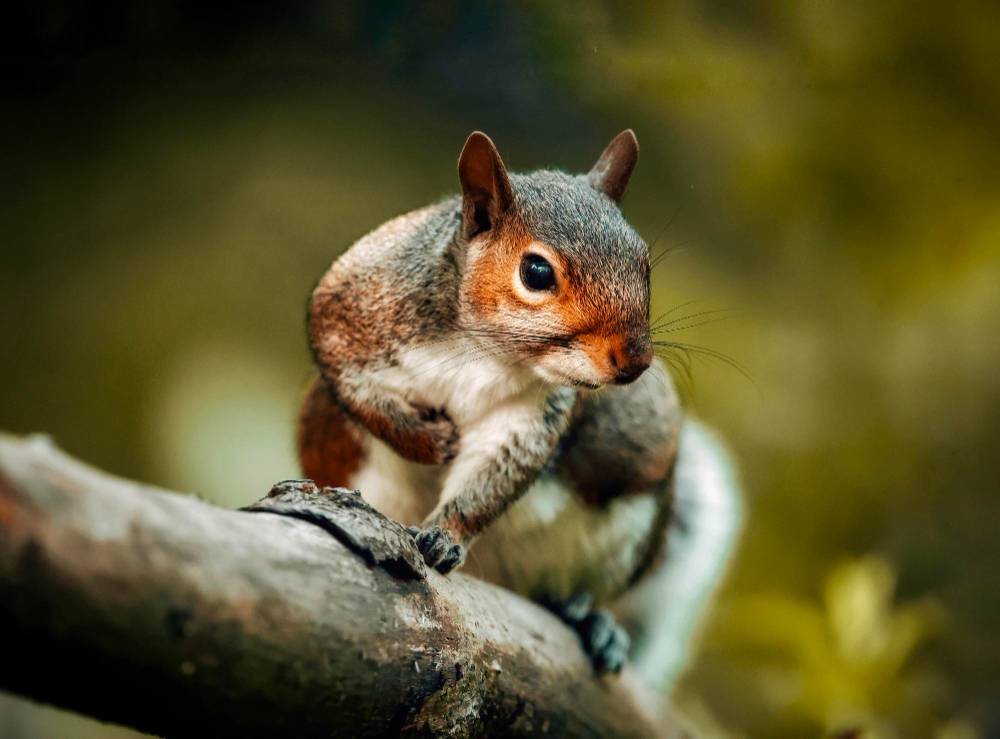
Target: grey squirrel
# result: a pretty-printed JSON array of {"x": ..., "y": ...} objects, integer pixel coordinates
[{"x": 487, "y": 375}]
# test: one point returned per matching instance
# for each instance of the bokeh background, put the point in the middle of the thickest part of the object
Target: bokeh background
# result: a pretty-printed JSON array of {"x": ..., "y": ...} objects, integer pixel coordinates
[{"x": 177, "y": 175}]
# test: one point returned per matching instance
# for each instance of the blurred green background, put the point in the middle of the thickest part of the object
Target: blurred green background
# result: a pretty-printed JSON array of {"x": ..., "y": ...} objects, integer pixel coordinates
[{"x": 176, "y": 176}]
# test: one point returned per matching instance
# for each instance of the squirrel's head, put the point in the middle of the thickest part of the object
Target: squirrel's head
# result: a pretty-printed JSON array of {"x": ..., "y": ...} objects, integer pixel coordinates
[{"x": 552, "y": 273}]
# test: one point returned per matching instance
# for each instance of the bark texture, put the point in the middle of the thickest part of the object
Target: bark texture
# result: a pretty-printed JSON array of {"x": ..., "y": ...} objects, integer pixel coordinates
[{"x": 306, "y": 617}]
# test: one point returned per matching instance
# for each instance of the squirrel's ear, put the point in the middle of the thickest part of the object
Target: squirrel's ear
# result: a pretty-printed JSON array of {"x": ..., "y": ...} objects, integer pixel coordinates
[
  {"x": 486, "y": 190},
  {"x": 611, "y": 173}
]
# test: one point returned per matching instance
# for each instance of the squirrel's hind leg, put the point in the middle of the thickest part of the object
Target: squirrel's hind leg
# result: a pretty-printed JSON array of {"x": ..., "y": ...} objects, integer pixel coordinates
[
  {"x": 329, "y": 444},
  {"x": 604, "y": 641},
  {"x": 665, "y": 609}
]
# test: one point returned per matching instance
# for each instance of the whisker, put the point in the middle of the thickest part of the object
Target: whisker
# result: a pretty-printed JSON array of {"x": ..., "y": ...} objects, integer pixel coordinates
[
  {"x": 707, "y": 316},
  {"x": 696, "y": 350},
  {"x": 461, "y": 357},
  {"x": 670, "y": 221},
  {"x": 673, "y": 310},
  {"x": 668, "y": 251},
  {"x": 686, "y": 326}
]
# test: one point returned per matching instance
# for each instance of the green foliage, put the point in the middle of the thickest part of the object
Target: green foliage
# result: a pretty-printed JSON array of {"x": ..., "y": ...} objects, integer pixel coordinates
[{"x": 851, "y": 659}]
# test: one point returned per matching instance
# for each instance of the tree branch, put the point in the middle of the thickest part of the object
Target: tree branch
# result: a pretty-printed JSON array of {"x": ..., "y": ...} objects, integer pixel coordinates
[{"x": 162, "y": 612}]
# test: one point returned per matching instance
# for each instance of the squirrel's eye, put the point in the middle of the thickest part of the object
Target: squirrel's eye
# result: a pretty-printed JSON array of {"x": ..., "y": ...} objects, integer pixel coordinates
[{"x": 536, "y": 273}]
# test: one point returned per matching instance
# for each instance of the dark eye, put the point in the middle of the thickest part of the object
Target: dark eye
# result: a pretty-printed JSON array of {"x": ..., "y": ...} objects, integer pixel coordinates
[{"x": 536, "y": 273}]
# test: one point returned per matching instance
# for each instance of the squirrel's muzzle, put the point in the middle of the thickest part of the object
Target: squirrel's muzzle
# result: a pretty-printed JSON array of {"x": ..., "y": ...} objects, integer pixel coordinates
[{"x": 630, "y": 359}]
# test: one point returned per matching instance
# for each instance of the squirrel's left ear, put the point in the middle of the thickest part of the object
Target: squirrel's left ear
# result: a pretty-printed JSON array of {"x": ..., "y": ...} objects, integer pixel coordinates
[
  {"x": 486, "y": 190},
  {"x": 611, "y": 173}
]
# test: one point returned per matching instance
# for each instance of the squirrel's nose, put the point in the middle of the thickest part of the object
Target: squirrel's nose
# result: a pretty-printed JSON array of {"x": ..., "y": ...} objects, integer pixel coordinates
[{"x": 631, "y": 359}]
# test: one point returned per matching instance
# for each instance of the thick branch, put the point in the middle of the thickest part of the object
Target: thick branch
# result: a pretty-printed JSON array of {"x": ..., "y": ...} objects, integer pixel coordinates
[{"x": 165, "y": 613}]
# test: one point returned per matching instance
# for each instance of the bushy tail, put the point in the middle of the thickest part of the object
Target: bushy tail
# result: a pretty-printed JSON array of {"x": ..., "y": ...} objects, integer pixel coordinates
[{"x": 708, "y": 516}]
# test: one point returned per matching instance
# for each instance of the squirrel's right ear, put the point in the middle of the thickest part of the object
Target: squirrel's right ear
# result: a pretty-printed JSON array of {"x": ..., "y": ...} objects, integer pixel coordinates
[
  {"x": 486, "y": 190},
  {"x": 611, "y": 173}
]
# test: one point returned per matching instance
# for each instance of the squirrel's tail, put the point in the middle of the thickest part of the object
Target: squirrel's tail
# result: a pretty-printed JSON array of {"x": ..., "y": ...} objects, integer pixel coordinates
[{"x": 708, "y": 517}]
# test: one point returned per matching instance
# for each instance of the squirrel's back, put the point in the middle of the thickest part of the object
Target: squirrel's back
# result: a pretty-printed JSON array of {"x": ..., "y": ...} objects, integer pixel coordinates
[{"x": 395, "y": 283}]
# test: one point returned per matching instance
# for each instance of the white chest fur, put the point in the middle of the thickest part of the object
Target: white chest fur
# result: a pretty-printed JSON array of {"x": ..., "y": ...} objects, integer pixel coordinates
[
  {"x": 466, "y": 377},
  {"x": 551, "y": 542},
  {"x": 486, "y": 394}
]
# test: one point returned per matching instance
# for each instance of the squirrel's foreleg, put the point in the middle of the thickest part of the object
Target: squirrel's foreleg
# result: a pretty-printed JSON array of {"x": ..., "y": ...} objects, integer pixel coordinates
[
  {"x": 501, "y": 456},
  {"x": 419, "y": 434}
]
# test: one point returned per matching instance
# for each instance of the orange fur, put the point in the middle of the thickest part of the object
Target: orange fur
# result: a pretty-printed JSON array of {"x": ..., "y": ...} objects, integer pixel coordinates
[
  {"x": 413, "y": 445},
  {"x": 329, "y": 449},
  {"x": 600, "y": 347},
  {"x": 490, "y": 282},
  {"x": 492, "y": 286}
]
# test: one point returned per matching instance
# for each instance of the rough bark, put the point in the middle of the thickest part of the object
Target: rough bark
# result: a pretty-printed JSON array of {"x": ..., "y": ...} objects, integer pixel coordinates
[{"x": 162, "y": 612}]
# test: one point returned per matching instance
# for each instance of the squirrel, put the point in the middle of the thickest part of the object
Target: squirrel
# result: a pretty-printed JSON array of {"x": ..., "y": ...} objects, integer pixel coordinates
[{"x": 486, "y": 375}]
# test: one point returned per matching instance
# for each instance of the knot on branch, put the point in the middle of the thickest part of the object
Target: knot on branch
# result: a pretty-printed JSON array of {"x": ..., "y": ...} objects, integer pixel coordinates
[{"x": 343, "y": 513}]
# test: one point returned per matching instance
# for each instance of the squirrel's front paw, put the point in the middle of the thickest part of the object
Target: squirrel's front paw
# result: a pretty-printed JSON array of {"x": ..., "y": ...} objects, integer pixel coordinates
[
  {"x": 438, "y": 548},
  {"x": 440, "y": 431}
]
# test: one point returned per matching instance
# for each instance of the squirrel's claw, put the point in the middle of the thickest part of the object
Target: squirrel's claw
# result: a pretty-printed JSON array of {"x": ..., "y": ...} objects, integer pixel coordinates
[
  {"x": 438, "y": 548},
  {"x": 440, "y": 431},
  {"x": 604, "y": 641}
]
